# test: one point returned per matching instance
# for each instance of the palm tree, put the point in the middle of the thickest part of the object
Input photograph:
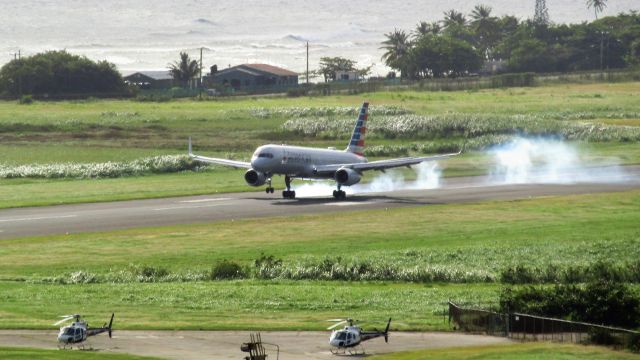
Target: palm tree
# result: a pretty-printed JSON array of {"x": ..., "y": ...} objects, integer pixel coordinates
[
  {"x": 480, "y": 13},
  {"x": 185, "y": 69},
  {"x": 424, "y": 28},
  {"x": 453, "y": 17},
  {"x": 597, "y": 5},
  {"x": 485, "y": 27},
  {"x": 397, "y": 47}
]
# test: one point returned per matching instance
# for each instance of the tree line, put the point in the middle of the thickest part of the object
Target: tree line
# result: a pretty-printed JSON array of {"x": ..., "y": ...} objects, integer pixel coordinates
[
  {"x": 460, "y": 44},
  {"x": 59, "y": 72}
]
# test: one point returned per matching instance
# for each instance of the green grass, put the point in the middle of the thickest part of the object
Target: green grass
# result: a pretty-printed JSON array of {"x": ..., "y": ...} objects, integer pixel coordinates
[
  {"x": 529, "y": 351},
  {"x": 10, "y": 353},
  {"x": 550, "y": 230},
  {"x": 236, "y": 305},
  {"x": 563, "y": 231},
  {"x": 123, "y": 130},
  {"x": 38, "y": 192}
]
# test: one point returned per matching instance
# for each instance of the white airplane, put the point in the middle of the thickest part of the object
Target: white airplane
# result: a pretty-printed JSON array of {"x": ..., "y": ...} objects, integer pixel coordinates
[{"x": 345, "y": 167}]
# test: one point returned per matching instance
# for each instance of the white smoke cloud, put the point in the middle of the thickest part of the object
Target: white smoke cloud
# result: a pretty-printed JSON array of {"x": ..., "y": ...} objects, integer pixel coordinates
[
  {"x": 428, "y": 176},
  {"x": 526, "y": 161}
]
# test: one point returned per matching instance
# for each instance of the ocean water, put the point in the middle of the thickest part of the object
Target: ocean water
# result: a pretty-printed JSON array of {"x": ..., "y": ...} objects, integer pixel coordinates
[{"x": 149, "y": 34}]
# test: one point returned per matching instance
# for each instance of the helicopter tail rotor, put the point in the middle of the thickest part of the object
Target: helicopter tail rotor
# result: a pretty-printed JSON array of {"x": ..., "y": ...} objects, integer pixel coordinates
[
  {"x": 110, "y": 324},
  {"x": 386, "y": 331}
]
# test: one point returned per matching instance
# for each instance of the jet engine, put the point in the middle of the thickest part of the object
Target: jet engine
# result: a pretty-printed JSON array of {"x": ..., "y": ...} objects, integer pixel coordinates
[
  {"x": 255, "y": 178},
  {"x": 347, "y": 177}
]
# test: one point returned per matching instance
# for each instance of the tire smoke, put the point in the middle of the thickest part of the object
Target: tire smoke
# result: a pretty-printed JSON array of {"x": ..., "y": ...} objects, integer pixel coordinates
[
  {"x": 428, "y": 176},
  {"x": 531, "y": 161}
]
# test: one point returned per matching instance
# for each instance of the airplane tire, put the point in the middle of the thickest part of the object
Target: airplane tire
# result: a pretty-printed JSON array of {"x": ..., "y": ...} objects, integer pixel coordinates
[{"x": 292, "y": 194}]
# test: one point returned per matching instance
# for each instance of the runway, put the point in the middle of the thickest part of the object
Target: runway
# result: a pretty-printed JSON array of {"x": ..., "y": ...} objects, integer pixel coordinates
[
  {"x": 22, "y": 222},
  {"x": 218, "y": 345}
]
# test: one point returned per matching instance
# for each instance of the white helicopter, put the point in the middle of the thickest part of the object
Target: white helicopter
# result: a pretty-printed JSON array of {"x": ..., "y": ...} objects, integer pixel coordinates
[
  {"x": 78, "y": 331},
  {"x": 349, "y": 340}
]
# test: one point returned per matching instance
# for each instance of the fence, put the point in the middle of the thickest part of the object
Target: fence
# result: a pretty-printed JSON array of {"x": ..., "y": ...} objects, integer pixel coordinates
[{"x": 539, "y": 328}]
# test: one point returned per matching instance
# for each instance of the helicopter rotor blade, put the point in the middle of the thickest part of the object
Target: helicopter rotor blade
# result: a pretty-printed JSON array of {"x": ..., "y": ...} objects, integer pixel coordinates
[
  {"x": 337, "y": 324},
  {"x": 63, "y": 320},
  {"x": 335, "y": 320}
]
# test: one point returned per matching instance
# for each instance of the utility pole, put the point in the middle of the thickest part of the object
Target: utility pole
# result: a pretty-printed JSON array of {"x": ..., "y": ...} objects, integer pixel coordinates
[
  {"x": 200, "y": 73},
  {"x": 307, "y": 64},
  {"x": 18, "y": 56}
]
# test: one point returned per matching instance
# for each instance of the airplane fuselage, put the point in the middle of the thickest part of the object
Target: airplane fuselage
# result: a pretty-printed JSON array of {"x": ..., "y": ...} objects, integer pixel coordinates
[{"x": 297, "y": 161}]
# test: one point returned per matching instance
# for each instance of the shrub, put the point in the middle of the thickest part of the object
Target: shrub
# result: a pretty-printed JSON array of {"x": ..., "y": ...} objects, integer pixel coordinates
[
  {"x": 155, "y": 164},
  {"x": 633, "y": 342},
  {"x": 601, "y": 302},
  {"x": 26, "y": 100},
  {"x": 153, "y": 272},
  {"x": 59, "y": 72},
  {"x": 225, "y": 270},
  {"x": 602, "y": 337},
  {"x": 297, "y": 92}
]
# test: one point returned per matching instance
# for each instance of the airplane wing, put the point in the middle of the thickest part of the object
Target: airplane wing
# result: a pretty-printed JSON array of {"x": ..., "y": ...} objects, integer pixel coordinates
[
  {"x": 382, "y": 164},
  {"x": 227, "y": 162}
]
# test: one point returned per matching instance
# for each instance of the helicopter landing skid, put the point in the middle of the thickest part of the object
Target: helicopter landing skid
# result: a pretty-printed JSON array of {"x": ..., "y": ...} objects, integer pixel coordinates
[
  {"x": 350, "y": 351},
  {"x": 81, "y": 346}
]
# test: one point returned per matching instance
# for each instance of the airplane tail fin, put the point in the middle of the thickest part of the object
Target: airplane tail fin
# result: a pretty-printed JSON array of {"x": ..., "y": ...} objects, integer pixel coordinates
[
  {"x": 111, "y": 324},
  {"x": 356, "y": 144},
  {"x": 386, "y": 331}
]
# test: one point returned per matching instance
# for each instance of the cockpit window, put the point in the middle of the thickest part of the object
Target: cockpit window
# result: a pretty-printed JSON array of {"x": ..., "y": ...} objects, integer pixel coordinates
[
  {"x": 265, "y": 155},
  {"x": 69, "y": 331},
  {"x": 342, "y": 336}
]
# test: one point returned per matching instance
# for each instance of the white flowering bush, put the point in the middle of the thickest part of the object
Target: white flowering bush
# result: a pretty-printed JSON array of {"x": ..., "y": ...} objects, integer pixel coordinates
[
  {"x": 411, "y": 126},
  {"x": 154, "y": 164},
  {"x": 298, "y": 112}
]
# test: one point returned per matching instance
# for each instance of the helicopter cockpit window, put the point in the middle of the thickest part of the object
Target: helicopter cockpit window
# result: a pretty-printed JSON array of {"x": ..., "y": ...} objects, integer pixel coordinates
[
  {"x": 69, "y": 331},
  {"x": 342, "y": 336}
]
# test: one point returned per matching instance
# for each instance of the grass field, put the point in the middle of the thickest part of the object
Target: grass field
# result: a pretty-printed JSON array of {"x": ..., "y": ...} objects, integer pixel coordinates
[
  {"x": 536, "y": 351},
  {"x": 466, "y": 246},
  {"x": 487, "y": 237},
  {"x": 98, "y": 131}
]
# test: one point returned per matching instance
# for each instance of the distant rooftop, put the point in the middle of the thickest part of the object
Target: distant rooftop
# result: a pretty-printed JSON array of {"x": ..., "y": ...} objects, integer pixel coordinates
[
  {"x": 272, "y": 69},
  {"x": 264, "y": 68},
  {"x": 154, "y": 74}
]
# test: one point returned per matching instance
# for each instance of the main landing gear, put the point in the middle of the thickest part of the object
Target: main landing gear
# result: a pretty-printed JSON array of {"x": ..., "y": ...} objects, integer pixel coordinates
[
  {"x": 288, "y": 194},
  {"x": 339, "y": 194}
]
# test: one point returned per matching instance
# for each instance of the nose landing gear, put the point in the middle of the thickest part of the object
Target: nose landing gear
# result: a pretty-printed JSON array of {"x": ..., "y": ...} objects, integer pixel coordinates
[
  {"x": 288, "y": 194},
  {"x": 269, "y": 189}
]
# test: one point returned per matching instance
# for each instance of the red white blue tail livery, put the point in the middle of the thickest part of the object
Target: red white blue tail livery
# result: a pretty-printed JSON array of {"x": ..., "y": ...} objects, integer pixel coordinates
[{"x": 356, "y": 145}]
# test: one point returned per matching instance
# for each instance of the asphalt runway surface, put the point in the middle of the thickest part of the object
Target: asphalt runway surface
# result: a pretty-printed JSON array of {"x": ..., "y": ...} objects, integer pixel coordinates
[
  {"x": 95, "y": 217},
  {"x": 218, "y": 345}
]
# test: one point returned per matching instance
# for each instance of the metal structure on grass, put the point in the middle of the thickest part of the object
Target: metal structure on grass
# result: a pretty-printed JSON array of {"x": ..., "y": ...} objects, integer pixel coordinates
[{"x": 256, "y": 349}]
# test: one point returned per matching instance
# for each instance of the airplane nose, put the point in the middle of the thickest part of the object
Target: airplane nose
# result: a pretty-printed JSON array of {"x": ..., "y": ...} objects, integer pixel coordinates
[{"x": 259, "y": 164}]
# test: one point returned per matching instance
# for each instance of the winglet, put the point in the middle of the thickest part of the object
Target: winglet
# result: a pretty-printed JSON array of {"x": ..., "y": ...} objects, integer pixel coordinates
[{"x": 190, "y": 152}]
